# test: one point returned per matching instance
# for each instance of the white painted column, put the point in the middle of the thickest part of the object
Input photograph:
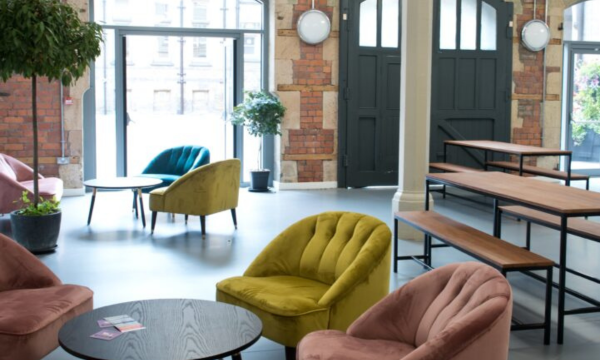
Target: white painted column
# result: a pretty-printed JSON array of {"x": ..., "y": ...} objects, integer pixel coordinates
[{"x": 415, "y": 109}]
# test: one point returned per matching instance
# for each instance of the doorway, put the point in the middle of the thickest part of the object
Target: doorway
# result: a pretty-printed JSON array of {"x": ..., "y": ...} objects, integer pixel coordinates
[
  {"x": 583, "y": 106},
  {"x": 471, "y": 76},
  {"x": 369, "y": 105}
]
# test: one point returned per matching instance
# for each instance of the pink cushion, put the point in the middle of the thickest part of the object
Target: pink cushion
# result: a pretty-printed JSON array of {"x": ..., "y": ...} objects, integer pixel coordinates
[
  {"x": 6, "y": 169},
  {"x": 336, "y": 345},
  {"x": 49, "y": 187},
  {"x": 28, "y": 310}
]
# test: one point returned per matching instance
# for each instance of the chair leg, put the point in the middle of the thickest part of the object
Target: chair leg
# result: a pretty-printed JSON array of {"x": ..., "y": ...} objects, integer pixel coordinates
[
  {"x": 290, "y": 353},
  {"x": 233, "y": 215},
  {"x": 186, "y": 218},
  {"x": 203, "y": 226},
  {"x": 153, "y": 222},
  {"x": 135, "y": 206}
]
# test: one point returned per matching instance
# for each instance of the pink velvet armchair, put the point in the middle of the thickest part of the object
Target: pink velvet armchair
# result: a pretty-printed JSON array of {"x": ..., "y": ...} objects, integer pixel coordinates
[
  {"x": 16, "y": 177},
  {"x": 34, "y": 304},
  {"x": 456, "y": 312}
]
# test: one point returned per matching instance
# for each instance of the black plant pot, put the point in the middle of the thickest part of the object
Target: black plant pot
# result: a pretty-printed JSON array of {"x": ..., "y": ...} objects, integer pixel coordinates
[
  {"x": 37, "y": 234},
  {"x": 259, "y": 180}
]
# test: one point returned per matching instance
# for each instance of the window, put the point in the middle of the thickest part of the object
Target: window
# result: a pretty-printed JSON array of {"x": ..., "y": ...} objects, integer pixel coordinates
[
  {"x": 163, "y": 47},
  {"x": 368, "y": 23},
  {"x": 121, "y": 13},
  {"x": 249, "y": 45},
  {"x": 200, "y": 101},
  {"x": 468, "y": 25},
  {"x": 162, "y": 100},
  {"x": 200, "y": 15},
  {"x": 488, "y": 27},
  {"x": 161, "y": 12},
  {"x": 199, "y": 48},
  {"x": 390, "y": 21}
]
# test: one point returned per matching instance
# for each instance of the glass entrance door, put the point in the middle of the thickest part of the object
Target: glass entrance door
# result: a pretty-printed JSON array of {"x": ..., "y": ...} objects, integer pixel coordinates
[
  {"x": 584, "y": 108},
  {"x": 179, "y": 91}
]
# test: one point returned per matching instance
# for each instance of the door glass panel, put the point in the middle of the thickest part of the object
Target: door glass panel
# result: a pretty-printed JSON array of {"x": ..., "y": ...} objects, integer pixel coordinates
[
  {"x": 448, "y": 24},
  {"x": 210, "y": 14},
  {"x": 106, "y": 134},
  {"x": 488, "y": 27},
  {"x": 585, "y": 119},
  {"x": 252, "y": 81},
  {"x": 177, "y": 95},
  {"x": 390, "y": 23},
  {"x": 368, "y": 23},
  {"x": 468, "y": 25}
]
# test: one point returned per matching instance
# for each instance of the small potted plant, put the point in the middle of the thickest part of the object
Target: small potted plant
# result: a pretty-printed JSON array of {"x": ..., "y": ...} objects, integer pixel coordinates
[
  {"x": 261, "y": 114},
  {"x": 43, "y": 38}
]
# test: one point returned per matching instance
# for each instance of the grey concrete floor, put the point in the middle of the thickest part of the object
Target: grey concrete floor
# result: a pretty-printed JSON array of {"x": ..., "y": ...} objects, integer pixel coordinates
[{"x": 121, "y": 261}]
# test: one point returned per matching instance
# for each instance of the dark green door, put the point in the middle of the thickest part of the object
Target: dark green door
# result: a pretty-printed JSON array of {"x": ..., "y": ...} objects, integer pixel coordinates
[
  {"x": 369, "y": 92},
  {"x": 471, "y": 76}
]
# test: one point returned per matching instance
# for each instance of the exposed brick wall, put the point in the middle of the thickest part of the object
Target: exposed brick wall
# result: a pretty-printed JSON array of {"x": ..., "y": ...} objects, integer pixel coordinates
[
  {"x": 16, "y": 128},
  {"x": 309, "y": 143}
]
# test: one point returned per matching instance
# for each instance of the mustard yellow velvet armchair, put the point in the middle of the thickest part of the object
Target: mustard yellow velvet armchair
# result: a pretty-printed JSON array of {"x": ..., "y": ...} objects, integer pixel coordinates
[
  {"x": 321, "y": 273},
  {"x": 206, "y": 190}
]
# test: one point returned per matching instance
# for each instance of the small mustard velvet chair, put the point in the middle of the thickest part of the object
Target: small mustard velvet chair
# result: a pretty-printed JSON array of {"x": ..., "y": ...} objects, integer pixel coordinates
[
  {"x": 206, "y": 190},
  {"x": 456, "y": 312},
  {"x": 320, "y": 273}
]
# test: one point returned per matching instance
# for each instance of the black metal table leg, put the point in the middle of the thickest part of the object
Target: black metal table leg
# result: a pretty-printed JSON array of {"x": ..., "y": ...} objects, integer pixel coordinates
[
  {"x": 548, "y": 310},
  {"x": 520, "y": 165},
  {"x": 135, "y": 205},
  {"x": 568, "y": 182},
  {"x": 237, "y": 356},
  {"x": 561, "y": 279},
  {"x": 395, "y": 240},
  {"x": 496, "y": 219},
  {"x": 139, "y": 192},
  {"x": 427, "y": 184},
  {"x": 92, "y": 206}
]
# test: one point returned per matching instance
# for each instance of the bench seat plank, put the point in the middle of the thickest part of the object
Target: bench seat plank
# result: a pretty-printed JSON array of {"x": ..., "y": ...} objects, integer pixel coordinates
[
  {"x": 575, "y": 226},
  {"x": 555, "y": 174},
  {"x": 488, "y": 248},
  {"x": 452, "y": 167}
]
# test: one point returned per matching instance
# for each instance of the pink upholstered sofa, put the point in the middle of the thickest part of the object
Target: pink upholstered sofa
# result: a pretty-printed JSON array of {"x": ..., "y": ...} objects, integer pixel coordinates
[
  {"x": 16, "y": 177},
  {"x": 34, "y": 304},
  {"x": 456, "y": 312}
]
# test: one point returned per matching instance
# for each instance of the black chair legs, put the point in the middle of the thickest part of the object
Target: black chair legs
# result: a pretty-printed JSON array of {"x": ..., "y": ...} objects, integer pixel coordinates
[
  {"x": 233, "y": 215},
  {"x": 290, "y": 353},
  {"x": 153, "y": 222},
  {"x": 203, "y": 226}
]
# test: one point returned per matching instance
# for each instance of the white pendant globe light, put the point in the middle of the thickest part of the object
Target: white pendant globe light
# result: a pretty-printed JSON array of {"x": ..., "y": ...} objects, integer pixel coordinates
[
  {"x": 535, "y": 35},
  {"x": 314, "y": 26}
]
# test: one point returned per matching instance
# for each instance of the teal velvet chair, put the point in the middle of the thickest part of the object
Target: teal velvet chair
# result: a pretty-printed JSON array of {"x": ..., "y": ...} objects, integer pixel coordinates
[{"x": 173, "y": 163}]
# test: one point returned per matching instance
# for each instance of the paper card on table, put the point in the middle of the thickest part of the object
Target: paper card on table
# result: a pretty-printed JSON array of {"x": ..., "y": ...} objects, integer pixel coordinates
[
  {"x": 106, "y": 334},
  {"x": 119, "y": 319},
  {"x": 132, "y": 326},
  {"x": 104, "y": 324}
]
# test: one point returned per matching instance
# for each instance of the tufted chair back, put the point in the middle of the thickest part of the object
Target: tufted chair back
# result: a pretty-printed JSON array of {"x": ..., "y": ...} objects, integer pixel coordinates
[
  {"x": 458, "y": 311},
  {"x": 19, "y": 269},
  {"x": 324, "y": 246},
  {"x": 178, "y": 160}
]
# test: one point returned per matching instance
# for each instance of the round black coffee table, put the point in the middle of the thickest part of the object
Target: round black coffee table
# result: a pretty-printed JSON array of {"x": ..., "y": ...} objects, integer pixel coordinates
[
  {"x": 122, "y": 183},
  {"x": 176, "y": 329}
]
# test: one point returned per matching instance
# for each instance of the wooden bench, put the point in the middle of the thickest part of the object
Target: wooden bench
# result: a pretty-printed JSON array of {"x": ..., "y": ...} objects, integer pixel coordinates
[
  {"x": 534, "y": 170},
  {"x": 493, "y": 251},
  {"x": 576, "y": 226},
  {"x": 448, "y": 167}
]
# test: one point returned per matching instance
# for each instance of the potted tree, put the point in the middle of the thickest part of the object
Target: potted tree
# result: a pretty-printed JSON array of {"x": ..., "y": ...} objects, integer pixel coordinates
[
  {"x": 43, "y": 38},
  {"x": 261, "y": 114}
]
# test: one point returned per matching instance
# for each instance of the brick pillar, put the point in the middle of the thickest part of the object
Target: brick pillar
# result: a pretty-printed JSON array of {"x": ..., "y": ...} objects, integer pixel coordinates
[
  {"x": 528, "y": 81},
  {"x": 309, "y": 145}
]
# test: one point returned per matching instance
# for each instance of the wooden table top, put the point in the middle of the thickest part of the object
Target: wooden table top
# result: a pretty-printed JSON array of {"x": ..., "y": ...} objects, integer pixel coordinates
[
  {"x": 508, "y": 148},
  {"x": 549, "y": 197},
  {"x": 176, "y": 329}
]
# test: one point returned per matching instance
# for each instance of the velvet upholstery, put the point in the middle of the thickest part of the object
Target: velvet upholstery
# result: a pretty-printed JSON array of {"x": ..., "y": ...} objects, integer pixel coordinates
[
  {"x": 34, "y": 304},
  {"x": 320, "y": 273},
  {"x": 206, "y": 190},
  {"x": 16, "y": 177},
  {"x": 173, "y": 163},
  {"x": 459, "y": 312}
]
